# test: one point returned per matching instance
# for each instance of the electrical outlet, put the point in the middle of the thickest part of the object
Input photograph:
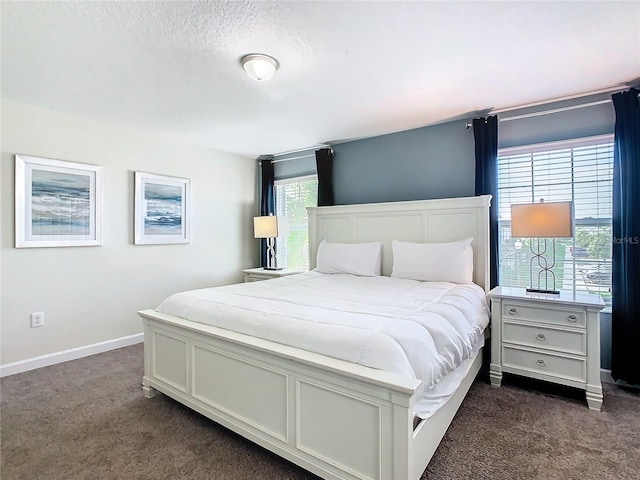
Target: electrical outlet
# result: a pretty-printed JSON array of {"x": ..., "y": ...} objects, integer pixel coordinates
[{"x": 37, "y": 319}]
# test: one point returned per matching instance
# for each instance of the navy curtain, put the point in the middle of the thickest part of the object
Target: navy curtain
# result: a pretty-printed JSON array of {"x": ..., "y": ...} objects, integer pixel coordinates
[
  {"x": 485, "y": 133},
  {"x": 267, "y": 200},
  {"x": 625, "y": 287},
  {"x": 324, "y": 165}
]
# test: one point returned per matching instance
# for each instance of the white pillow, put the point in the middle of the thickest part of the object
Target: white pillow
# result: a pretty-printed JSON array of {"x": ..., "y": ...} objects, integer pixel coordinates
[
  {"x": 362, "y": 259},
  {"x": 433, "y": 262}
]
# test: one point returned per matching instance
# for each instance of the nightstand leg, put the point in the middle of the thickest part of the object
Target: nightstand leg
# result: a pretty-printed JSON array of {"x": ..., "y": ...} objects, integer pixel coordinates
[
  {"x": 149, "y": 392},
  {"x": 495, "y": 375},
  {"x": 594, "y": 398}
]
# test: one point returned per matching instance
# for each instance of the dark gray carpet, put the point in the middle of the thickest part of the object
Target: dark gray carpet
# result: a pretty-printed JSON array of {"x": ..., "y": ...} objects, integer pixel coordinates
[{"x": 88, "y": 419}]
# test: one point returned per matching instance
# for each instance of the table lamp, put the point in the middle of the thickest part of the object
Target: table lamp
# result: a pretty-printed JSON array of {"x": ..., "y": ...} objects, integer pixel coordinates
[
  {"x": 270, "y": 227},
  {"x": 542, "y": 221}
]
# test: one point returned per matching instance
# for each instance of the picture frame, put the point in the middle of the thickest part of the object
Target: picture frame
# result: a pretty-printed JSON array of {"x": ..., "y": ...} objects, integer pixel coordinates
[
  {"x": 57, "y": 203},
  {"x": 162, "y": 207}
]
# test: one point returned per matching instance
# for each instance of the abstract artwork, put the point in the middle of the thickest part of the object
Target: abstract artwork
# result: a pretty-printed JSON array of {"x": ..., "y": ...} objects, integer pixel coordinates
[
  {"x": 58, "y": 203},
  {"x": 161, "y": 209}
]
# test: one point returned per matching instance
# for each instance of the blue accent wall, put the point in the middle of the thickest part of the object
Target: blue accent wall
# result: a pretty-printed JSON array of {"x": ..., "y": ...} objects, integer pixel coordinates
[
  {"x": 597, "y": 119},
  {"x": 429, "y": 162},
  {"x": 303, "y": 163},
  {"x": 605, "y": 340},
  {"x": 439, "y": 161}
]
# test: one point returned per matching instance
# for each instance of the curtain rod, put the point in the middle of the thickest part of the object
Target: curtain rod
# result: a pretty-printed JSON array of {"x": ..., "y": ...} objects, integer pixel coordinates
[
  {"x": 321, "y": 145},
  {"x": 560, "y": 99},
  {"x": 278, "y": 160},
  {"x": 547, "y": 112},
  {"x": 554, "y": 100}
]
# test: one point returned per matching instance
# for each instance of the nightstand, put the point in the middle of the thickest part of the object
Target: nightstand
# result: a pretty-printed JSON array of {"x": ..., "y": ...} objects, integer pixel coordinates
[
  {"x": 258, "y": 274},
  {"x": 548, "y": 337}
]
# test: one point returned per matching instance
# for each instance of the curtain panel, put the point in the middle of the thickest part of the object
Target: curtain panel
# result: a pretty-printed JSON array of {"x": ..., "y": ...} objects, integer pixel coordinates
[
  {"x": 267, "y": 200},
  {"x": 625, "y": 285},
  {"x": 485, "y": 134},
  {"x": 324, "y": 165}
]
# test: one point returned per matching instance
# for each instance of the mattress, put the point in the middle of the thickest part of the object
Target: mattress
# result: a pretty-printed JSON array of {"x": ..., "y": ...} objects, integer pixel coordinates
[{"x": 423, "y": 330}]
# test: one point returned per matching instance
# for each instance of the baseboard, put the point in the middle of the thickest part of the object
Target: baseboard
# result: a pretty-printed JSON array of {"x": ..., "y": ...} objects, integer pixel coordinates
[
  {"x": 66, "y": 355},
  {"x": 605, "y": 376}
]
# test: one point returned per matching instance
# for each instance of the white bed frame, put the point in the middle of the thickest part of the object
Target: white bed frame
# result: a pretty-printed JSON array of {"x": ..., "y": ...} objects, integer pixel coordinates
[{"x": 336, "y": 419}]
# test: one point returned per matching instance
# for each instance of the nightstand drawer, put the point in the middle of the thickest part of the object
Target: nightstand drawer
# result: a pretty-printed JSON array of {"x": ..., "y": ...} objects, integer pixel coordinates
[
  {"x": 544, "y": 364},
  {"x": 570, "y": 318},
  {"x": 574, "y": 342}
]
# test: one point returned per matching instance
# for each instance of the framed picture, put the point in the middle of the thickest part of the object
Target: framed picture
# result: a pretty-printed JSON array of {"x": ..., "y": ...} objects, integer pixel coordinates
[
  {"x": 58, "y": 203},
  {"x": 161, "y": 209}
]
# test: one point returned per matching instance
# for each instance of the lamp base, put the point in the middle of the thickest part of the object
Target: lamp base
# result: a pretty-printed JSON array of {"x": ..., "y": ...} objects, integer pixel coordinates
[
  {"x": 542, "y": 290},
  {"x": 272, "y": 261},
  {"x": 545, "y": 268}
]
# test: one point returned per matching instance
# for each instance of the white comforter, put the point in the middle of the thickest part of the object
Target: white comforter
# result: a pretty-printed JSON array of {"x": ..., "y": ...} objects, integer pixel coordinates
[{"x": 418, "y": 329}]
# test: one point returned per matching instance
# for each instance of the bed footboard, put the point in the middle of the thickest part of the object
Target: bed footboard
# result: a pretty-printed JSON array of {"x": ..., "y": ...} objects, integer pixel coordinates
[{"x": 333, "y": 418}]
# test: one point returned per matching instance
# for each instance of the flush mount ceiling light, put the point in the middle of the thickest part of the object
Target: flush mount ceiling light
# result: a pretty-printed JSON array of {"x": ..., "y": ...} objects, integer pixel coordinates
[{"x": 258, "y": 66}]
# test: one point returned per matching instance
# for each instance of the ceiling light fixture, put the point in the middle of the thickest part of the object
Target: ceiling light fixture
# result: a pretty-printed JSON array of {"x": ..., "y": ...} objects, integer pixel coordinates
[{"x": 259, "y": 66}]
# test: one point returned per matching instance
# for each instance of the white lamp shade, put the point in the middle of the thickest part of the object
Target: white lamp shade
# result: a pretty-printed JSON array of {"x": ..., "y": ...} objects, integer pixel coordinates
[
  {"x": 259, "y": 67},
  {"x": 270, "y": 226},
  {"x": 542, "y": 220}
]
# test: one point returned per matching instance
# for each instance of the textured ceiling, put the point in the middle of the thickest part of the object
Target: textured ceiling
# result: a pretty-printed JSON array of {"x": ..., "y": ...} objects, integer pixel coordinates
[{"x": 347, "y": 69}]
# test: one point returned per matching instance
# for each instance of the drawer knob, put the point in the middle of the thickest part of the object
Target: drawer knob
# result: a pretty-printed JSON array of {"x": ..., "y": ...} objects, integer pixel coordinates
[
  {"x": 572, "y": 319},
  {"x": 541, "y": 364},
  {"x": 541, "y": 337},
  {"x": 513, "y": 311}
]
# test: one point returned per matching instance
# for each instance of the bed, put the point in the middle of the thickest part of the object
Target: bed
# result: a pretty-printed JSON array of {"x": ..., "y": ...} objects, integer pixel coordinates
[{"x": 333, "y": 417}]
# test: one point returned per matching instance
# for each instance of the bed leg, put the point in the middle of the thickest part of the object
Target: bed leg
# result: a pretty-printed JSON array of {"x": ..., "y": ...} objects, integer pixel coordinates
[{"x": 149, "y": 392}]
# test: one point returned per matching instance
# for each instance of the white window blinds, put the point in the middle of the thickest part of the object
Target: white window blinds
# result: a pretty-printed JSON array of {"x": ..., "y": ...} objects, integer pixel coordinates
[
  {"x": 293, "y": 196},
  {"x": 581, "y": 171}
]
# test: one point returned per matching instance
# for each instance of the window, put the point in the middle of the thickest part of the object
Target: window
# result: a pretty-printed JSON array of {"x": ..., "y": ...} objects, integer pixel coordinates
[
  {"x": 293, "y": 196},
  {"x": 581, "y": 171}
]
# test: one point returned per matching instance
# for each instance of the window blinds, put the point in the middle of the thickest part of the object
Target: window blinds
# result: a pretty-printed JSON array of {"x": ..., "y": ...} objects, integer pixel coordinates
[
  {"x": 292, "y": 199},
  {"x": 581, "y": 171}
]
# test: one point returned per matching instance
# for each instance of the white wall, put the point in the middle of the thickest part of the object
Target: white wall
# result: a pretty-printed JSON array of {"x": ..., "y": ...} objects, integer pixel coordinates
[{"x": 91, "y": 294}]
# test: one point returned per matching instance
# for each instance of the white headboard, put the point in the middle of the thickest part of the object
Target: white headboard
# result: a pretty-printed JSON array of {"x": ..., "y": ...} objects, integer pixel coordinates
[{"x": 441, "y": 220}]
